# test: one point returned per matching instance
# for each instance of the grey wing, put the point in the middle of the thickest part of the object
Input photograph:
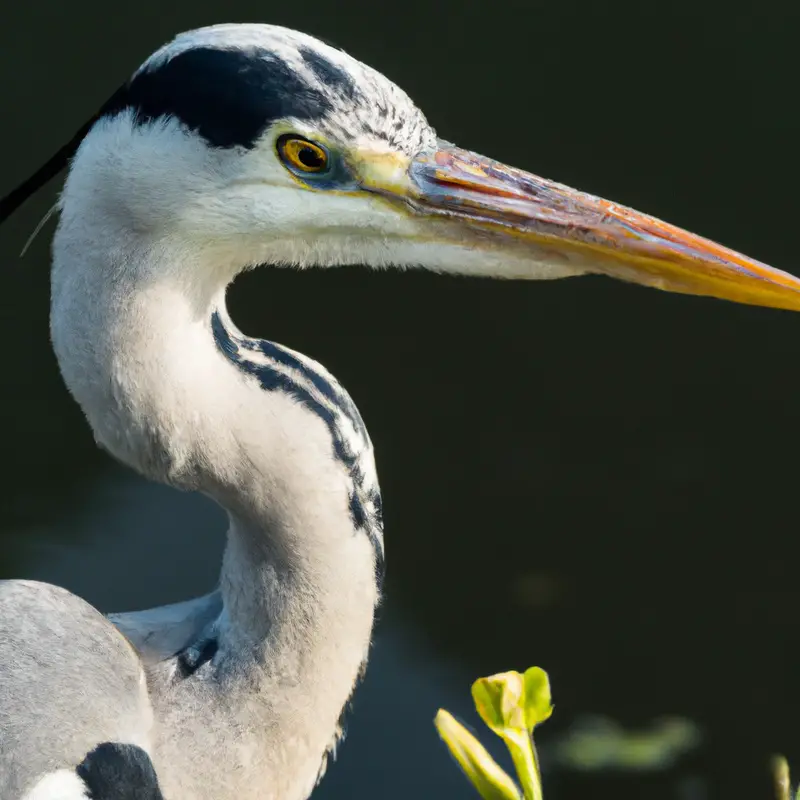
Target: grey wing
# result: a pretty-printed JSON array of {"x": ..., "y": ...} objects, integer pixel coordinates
[
  {"x": 69, "y": 680},
  {"x": 159, "y": 633}
]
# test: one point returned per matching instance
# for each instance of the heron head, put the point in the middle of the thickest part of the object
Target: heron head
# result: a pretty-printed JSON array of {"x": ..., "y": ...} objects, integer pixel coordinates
[{"x": 257, "y": 144}]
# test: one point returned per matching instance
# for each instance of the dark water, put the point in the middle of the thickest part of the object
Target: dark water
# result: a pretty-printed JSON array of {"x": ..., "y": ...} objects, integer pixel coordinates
[{"x": 603, "y": 478}]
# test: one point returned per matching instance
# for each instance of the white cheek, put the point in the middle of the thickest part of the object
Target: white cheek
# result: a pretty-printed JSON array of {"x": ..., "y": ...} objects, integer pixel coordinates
[
  {"x": 280, "y": 210},
  {"x": 313, "y": 229},
  {"x": 240, "y": 209},
  {"x": 300, "y": 212}
]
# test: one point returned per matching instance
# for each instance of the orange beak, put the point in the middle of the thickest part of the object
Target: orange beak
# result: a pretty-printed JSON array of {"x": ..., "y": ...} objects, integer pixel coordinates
[{"x": 587, "y": 232}]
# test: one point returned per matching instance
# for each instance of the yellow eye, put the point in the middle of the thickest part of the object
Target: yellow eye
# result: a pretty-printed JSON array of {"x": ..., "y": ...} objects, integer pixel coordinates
[{"x": 302, "y": 155}]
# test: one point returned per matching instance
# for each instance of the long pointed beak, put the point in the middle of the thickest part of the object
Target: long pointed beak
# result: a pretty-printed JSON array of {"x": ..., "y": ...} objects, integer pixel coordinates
[{"x": 587, "y": 232}]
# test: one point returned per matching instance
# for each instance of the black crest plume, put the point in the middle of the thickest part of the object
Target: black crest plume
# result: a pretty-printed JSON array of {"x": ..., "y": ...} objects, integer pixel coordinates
[{"x": 14, "y": 199}]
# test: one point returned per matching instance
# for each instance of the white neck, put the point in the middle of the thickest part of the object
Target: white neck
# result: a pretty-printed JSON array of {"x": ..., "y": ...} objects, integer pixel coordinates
[{"x": 136, "y": 348}]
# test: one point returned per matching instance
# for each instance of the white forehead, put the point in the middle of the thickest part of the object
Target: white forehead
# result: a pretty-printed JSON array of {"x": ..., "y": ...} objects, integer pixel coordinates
[{"x": 283, "y": 42}]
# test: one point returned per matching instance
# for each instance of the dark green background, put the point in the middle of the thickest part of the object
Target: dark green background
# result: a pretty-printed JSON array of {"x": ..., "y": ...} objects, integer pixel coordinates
[{"x": 588, "y": 476}]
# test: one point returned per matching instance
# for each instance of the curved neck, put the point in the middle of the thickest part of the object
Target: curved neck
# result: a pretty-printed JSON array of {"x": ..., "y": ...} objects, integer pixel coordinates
[
  {"x": 323, "y": 509},
  {"x": 171, "y": 388},
  {"x": 174, "y": 390}
]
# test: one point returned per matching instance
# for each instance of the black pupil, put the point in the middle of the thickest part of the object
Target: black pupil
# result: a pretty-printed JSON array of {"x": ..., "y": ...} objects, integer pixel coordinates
[{"x": 311, "y": 158}]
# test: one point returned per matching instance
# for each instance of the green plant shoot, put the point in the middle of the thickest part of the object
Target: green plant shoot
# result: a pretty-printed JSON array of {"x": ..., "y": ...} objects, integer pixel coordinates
[
  {"x": 485, "y": 773},
  {"x": 511, "y": 705}
]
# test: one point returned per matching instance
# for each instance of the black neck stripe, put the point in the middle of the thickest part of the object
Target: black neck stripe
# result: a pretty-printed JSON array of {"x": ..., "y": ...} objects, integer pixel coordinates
[
  {"x": 366, "y": 510},
  {"x": 331, "y": 390}
]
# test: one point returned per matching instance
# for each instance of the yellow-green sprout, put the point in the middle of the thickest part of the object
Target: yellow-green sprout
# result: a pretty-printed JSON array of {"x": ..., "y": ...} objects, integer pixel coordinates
[
  {"x": 782, "y": 779},
  {"x": 485, "y": 773},
  {"x": 511, "y": 705}
]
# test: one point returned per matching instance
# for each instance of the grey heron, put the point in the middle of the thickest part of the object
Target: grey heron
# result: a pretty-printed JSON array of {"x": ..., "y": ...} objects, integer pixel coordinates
[{"x": 230, "y": 147}]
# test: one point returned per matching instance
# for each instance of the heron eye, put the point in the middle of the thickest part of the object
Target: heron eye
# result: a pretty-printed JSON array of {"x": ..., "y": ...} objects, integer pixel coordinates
[{"x": 302, "y": 155}]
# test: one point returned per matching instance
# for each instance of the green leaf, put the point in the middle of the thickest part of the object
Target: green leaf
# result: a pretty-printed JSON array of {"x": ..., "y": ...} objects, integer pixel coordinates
[
  {"x": 482, "y": 770},
  {"x": 511, "y": 705},
  {"x": 538, "y": 705},
  {"x": 511, "y": 700},
  {"x": 499, "y": 700},
  {"x": 780, "y": 776}
]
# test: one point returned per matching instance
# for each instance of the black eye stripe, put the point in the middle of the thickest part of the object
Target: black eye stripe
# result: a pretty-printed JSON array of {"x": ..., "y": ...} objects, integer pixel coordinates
[{"x": 229, "y": 97}]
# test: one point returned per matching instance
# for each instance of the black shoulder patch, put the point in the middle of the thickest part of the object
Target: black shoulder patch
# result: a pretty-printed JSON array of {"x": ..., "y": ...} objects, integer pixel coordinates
[
  {"x": 328, "y": 73},
  {"x": 229, "y": 97},
  {"x": 115, "y": 771}
]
